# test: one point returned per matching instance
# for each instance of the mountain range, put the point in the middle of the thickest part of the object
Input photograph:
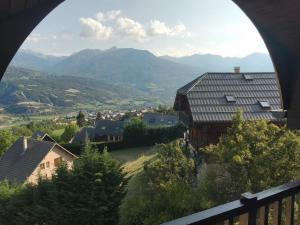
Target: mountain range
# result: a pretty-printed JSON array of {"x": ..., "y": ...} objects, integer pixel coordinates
[
  {"x": 133, "y": 68},
  {"x": 122, "y": 74},
  {"x": 256, "y": 62}
]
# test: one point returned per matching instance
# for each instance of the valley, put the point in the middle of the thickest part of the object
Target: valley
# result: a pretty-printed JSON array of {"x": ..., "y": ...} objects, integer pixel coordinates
[{"x": 115, "y": 79}]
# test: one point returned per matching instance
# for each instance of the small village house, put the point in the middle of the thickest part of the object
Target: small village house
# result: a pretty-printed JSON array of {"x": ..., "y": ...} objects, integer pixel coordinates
[
  {"x": 104, "y": 131},
  {"x": 109, "y": 130},
  {"x": 84, "y": 135},
  {"x": 28, "y": 159},
  {"x": 207, "y": 104}
]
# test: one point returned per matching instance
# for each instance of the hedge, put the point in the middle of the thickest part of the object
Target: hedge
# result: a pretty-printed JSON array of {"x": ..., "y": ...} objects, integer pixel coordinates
[{"x": 138, "y": 138}]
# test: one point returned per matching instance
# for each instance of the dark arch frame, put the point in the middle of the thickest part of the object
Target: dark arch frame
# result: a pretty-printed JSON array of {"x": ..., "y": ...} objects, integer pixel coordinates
[
  {"x": 17, "y": 21},
  {"x": 277, "y": 21}
]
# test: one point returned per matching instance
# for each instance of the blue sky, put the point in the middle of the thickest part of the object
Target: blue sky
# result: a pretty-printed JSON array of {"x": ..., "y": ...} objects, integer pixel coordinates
[{"x": 164, "y": 27}]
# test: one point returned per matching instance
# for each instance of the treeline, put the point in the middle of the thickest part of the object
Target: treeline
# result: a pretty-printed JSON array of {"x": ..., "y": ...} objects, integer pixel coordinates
[
  {"x": 90, "y": 194},
  {"x": 9, "y": 135},
  {"x": 137, "y": 134}
]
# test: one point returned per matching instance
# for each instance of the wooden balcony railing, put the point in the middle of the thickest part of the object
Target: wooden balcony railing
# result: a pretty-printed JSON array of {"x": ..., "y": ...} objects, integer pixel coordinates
[{"x": 276, "y": 206}]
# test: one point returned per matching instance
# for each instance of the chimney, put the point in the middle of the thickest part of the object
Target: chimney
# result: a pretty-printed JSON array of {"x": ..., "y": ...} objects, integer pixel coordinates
[
  {"x": 237, "y": 69},
  {"x": 25, "y": 143}
]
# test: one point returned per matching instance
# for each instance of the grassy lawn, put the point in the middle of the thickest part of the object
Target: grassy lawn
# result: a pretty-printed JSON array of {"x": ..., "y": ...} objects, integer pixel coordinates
[
  {"x": 131, "y": 154},
  {"x": 58, "y": 132},
  {"x": 133, "y": 159}
]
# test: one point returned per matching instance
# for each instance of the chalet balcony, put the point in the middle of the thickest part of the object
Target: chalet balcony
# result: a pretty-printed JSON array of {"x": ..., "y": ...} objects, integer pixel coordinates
[{"x": 276, "y": 206}]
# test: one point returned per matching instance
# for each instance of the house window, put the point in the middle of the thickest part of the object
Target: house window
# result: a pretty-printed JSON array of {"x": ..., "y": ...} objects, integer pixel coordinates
[
  {"x": 47, "y": 164},
  {"x": 230, "y": 98},
  {"x": 42, "y": 166},
  {"x": 57, "y": 161},
  {"x": 265, "y": 104}
]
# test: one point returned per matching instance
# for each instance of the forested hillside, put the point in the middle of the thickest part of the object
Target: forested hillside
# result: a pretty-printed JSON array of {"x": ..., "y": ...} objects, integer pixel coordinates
[{"x": 29, "y": 91}]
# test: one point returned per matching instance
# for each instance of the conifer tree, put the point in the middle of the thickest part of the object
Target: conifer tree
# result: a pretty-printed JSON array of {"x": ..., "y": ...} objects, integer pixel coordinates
[
  {"x": 99, "y": 116},
  {"x": 80, "y": 119}
]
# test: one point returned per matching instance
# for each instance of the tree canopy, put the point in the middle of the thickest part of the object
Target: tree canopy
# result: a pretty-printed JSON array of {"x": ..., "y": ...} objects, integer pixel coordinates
[
  {"x": 252, "y": 156},
  {"x": 90, "y": 194},
  {"x": 69, "y": 132},
  {"x": 80, "y": 119},
  {"x": 6, "y": 140},
  {"x": 164, "y": 190}
]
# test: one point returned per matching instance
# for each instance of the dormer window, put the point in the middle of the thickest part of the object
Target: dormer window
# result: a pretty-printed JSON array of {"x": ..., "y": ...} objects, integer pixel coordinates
[
  {"x": 265, "y": 104},
  {"x": 230, "y": 98},
  {"x": 248, "y": 77}
]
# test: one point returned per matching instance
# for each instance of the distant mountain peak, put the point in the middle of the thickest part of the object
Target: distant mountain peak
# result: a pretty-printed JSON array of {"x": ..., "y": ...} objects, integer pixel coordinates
[
  {"x": 113, "y": 48},
  {"x": 87, "y": 51}
]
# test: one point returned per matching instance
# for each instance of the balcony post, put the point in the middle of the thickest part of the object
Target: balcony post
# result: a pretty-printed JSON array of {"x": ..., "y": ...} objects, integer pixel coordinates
[{"x": 249, "y": 200}]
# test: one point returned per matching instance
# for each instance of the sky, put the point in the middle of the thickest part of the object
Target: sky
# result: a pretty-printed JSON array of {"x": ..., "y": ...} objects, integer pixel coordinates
[{"x": 164, "y": 27}]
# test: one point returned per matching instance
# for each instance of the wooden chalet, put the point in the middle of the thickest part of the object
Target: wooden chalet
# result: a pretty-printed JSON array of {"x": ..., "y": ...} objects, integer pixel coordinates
[{"x": 207, "y": 104}]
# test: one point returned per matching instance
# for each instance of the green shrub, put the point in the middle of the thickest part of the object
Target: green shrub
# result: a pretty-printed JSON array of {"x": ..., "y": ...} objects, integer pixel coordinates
[
  {"x": 164, "y": 190},
  {"x": 251, "y": 157},
  {"x": 69, "y": 133},
  {"x": 138, "y": 134}
]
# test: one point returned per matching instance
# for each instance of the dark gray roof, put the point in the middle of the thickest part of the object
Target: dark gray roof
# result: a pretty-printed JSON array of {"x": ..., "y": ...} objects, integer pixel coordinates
[
  {"x": 86, "y": 133},
  {"x": 41, "y": 135},
  {"x": 207, "y": 96},
  {"x": 17, "y": 164},
  {"x": 160, "y": 119},
  {"x": 184, "y": 90},
  {"x": 109, "y": 127}
]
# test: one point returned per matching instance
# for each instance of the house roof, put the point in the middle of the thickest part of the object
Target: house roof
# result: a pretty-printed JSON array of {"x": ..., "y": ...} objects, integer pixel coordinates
[
  {"x": 184, "y": 90},
  {"x": 41, "y": 135},
  {"x": 160, "y": 119},
  {"x": 215, "y": 97},
  {"x": 86, "y": 133},
  {"x": 17, "y": 164},
  {"x": 109, "y": 127}
]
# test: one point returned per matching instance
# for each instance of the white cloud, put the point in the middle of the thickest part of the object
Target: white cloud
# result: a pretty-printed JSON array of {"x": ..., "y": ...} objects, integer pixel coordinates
[
  {"x": 112, "y": 23},
  {"x": 95, "y": 29},
  {"x": 180, "y": 29},
  {"x": 131, "y": 29},
  {"x": 158, "y": 28}
]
